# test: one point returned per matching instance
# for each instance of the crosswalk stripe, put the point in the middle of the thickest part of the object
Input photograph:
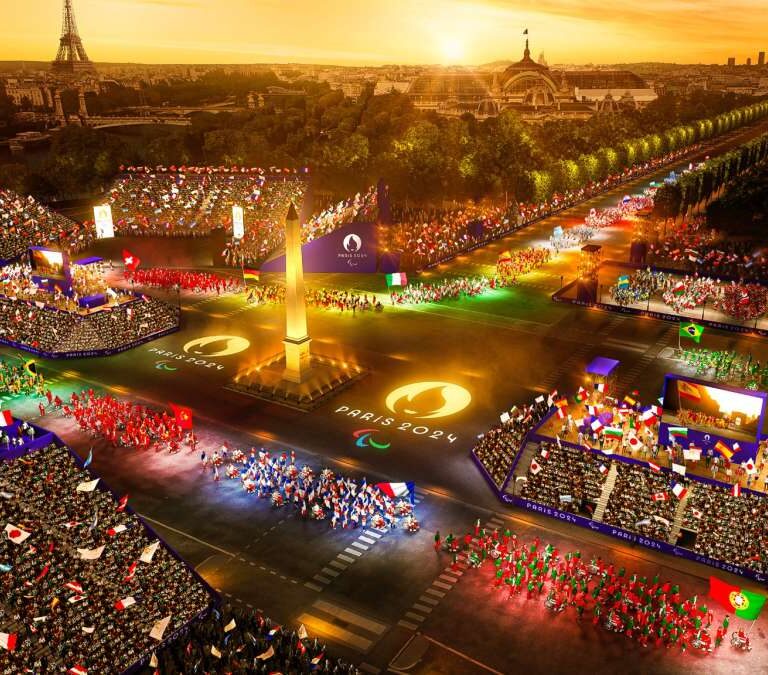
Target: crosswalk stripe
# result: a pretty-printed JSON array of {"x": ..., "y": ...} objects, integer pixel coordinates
[
  {"x": 314, "y": 587},
  {"x": 357, "y": 544},
  {"x": 321, "y": 579},
  {"x": 439, "y": 594},
  {"x": 440, "y": 584},
  {"x": 367, "y": 540},
  {"x": 414, "y": 616},
  {"x": 422, "y": 608},
  {"x": 352, "y": 551},
  {"x": 375, "y": 627},
  {"x": 345, "y": 558},
  {"x": 431, "y": 601},
  {"x": 375, "y": 535},
  {"x": 337, "y": 565},
  {"x": 328, "y": 570},
  {"x": 450, "y": 580},
  {"x": 450, "y": 570},
  {"x": 335, "y": 632},
  {"x": 408, "y": 625}
]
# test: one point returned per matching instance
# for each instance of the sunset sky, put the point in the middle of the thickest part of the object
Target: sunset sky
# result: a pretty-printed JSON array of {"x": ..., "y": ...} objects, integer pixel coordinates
[{"x": 390, "y": 31}]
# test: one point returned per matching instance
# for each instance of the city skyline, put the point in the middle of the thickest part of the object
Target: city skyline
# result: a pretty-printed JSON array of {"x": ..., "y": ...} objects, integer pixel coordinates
[{"x": 416, "y": 32}]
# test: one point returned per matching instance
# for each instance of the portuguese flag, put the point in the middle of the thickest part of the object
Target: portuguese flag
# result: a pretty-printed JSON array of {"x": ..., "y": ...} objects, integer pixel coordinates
[
  {"x": 744, "y": 604},
  {"x": 250, "y": 274},
  {"x": 691, "y": 330}
]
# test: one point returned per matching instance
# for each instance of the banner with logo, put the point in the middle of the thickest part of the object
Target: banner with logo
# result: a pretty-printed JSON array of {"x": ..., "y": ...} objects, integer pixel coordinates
[{"x": 353, "y": 248}]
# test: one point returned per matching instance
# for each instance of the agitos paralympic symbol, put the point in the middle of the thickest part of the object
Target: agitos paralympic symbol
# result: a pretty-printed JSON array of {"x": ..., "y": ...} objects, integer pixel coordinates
[
  {"x": 428, "y": 400},
  {"x": 163, "y": 365},
  {"x": 364, "y": 439}
]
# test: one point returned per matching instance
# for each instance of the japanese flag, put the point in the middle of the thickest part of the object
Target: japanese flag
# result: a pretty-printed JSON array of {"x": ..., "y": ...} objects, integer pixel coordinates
[
  {"x": 535, "y": 467},
  {"x": 16, "y": 534}
]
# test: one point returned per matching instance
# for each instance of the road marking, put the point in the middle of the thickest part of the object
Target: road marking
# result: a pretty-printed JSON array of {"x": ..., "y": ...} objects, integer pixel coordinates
[
  {"x": 321, "y": 579},
  {"x": 338, "y": 565},
  {"x": 422, "y": 608},
  {"x": 187, "y": 535},
  {"x": 328, "y": 570},
  {"x": 350, "y": 617},
  {"x": 439, "y": 594},
  {"x": 352, "y": 551},
  {"x": 414, "y": 616},
  {"x": 367, "y": 540},
  {"x": 368, "y": 668},
  {"x": 314, "y": 587},
  {"x": 445, "y": 587},
  {"x": 408, "y": 625},
  {"x": 462, "y": 655},
  {"x": 345, "y": 558},
  {"x": 429, "y": 600},
  {"x": 373, "y": 534},
  {"x": 335, "y": 633},
  {"x": 362, "y": 547},
  {"x": 450, "y": 580}
]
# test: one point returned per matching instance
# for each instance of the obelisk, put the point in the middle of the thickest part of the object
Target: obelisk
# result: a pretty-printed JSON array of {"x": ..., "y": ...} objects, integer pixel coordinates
[{"x": 297, "y": 360}]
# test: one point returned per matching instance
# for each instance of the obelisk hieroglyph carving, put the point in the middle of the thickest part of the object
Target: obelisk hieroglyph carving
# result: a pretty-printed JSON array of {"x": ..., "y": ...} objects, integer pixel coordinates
[{"x": 297, "y": 359}]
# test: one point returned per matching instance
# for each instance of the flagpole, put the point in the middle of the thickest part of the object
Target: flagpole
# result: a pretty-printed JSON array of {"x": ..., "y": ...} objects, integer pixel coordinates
[{"x": 751, "y": 626}]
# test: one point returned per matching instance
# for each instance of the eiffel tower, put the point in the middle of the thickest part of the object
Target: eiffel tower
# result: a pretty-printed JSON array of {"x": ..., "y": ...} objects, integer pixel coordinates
[{"x": 71, "y": 58}]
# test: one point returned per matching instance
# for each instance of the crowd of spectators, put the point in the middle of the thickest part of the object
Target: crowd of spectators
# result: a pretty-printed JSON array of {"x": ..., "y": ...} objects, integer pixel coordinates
[
  {"x": 87, "y": 582},
  {"x": 565, "y": 478},
  {"x": 25, "y": 222},
  {"x": 498, "y": 447},
  {"x": 17, "y": 379},
  {"x": 727, "y": 365},
  {"x": 447, "y": 289},
  {"x": 511, "y": 265},
  {"x": 106, "y": 328},
  {"x": 254, "y": 646}
]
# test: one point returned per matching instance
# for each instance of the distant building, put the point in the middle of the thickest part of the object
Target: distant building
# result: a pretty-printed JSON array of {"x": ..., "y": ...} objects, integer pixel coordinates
[
  {"x": 761, "y": 58},
  {"x": 390, "y": 86},
  {"x": 27, "y": 93},
  {"x": 531, "y": 89},
  {"x": 731, "y": 60},
  {"x": 749, "y": 60}
]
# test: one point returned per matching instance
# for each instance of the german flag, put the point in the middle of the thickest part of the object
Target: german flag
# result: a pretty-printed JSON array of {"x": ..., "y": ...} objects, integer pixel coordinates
[{"x": 251, "y": 274}]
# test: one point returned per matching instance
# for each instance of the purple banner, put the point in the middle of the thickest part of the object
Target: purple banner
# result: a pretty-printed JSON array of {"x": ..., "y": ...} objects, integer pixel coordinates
[{"x": 353, "y": 248}]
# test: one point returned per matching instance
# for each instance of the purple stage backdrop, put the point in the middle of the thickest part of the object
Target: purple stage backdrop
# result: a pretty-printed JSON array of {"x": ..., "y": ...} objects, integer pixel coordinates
[{"x": 353, "y": 248}]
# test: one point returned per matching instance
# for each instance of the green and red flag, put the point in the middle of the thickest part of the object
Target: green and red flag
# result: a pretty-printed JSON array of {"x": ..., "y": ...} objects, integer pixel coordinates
[
  {"x": 744, "y": 604},
  {"x": 691, "y": 330}
]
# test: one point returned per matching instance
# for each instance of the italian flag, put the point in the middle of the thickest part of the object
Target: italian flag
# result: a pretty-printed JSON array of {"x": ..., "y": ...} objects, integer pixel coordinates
[
  {"x": 744, "y": 604},
  {"x": 397, "y": 279},
  {"x": 614, "y": 432}
]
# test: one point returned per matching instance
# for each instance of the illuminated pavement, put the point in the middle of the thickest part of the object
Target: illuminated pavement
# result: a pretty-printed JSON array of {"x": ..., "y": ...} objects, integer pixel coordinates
[{"x": 502, "y": 349}]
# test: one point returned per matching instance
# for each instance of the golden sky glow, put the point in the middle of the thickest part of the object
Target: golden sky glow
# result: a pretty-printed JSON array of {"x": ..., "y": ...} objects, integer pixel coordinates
[{"x": 390, "y": 31}]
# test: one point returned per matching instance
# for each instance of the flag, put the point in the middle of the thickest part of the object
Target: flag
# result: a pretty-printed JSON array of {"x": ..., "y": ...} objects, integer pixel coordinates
[
  {"x": 659, "y": 496},
  {"x": 581, "y": 395},
  {"x": 603, "y": 469},
  {"x": 634, "y": 442},
  {"x": 679, "y": 288},
  {"x": 131, "y": 571},
  {"x": 124, "y": 604},
  {"x": 678, "y": 468},
  {"x": 749, "y": 467},
  {"x": 744, "y": 604},
  {"x": 149, "y": 552},
  {"x": 159, "y": 628},
  {"x": 117, "y": 529},
  {"x": 615, "y": 432},
  {"x": 600, "y": 386},
  {"x": 88, "y": 486},
  {"x": 130, "y": 261},
  {"x": 273, "y": 632},
  {"x": 696, "y": 513},
  {"x": 545, "y": 453},
  {"x": 302, "y": 632},
  {"x": 629, "y": 400},
  {"x": 89, "y": 459},
  {"x": 691, "y": 330},
  {"x": 8, "y": 641},
  {"x": 183, "y": 415},
  {"x": 688, "y": 390},
  {"x": 724, "y": 450},
  {"x": 678, "y": 432},
  {"x": 648, "y": 418},
  {"x": 230, "y": 626},
  {"x": 623, "y": 281},
  {"x": 215, "y": 652},
  {"x": 75, "y": 586},
  {"x": 692, "y": 454},
  {"x": 318, "y": 658},
  {"x": 397, "y": 279},
  {"x": 679, "y": 490},
  {"x": 654, "y": 467},
  {"x": 393, "y": 490},
  {"x": 90, "y": 554},
  {"x": 16, "y": 534},
  {"x": 6, "y": 419},
  {"x": 535, "y": 467},
  {"x": 153, "y": 662},
  {"x": 267, "y": 654},
  {"x": 122, "y": 503},
  {"x": 596, "y": 426},
  {"x": 736, "y": 492},
  {"x": 77, "y": 670},
  {"x": 251, "y": 274},
  {"x": 74, "y": 599}
]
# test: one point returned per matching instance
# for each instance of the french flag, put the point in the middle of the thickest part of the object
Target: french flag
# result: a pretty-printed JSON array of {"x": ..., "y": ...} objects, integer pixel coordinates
[
  {"x": 123, "y": 604},
  {"x": 393, "y": 490}
]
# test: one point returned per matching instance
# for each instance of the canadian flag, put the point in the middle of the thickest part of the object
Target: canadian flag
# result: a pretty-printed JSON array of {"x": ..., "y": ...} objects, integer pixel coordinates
[
  {"x": 125, "y": 603},
  {"x": 8, "y": 641},
  {"x": 16, "y": 534},
  {"x": 535, "y": 467},
  {"x": 130, "y": 261},
  {"x": 659, "y": 496}
]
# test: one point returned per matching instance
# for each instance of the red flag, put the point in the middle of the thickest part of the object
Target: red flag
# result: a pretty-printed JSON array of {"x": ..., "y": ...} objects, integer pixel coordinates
[
  {"x": 183, "y": 415},
  {"x": 130, "y": 261},
  {"x": 122, "y": 503},
  {"x": 131, "y": 571}
]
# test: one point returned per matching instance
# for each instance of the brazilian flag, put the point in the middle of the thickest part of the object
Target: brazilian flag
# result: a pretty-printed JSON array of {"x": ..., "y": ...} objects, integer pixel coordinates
[{"x": 691, "y": 330}]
